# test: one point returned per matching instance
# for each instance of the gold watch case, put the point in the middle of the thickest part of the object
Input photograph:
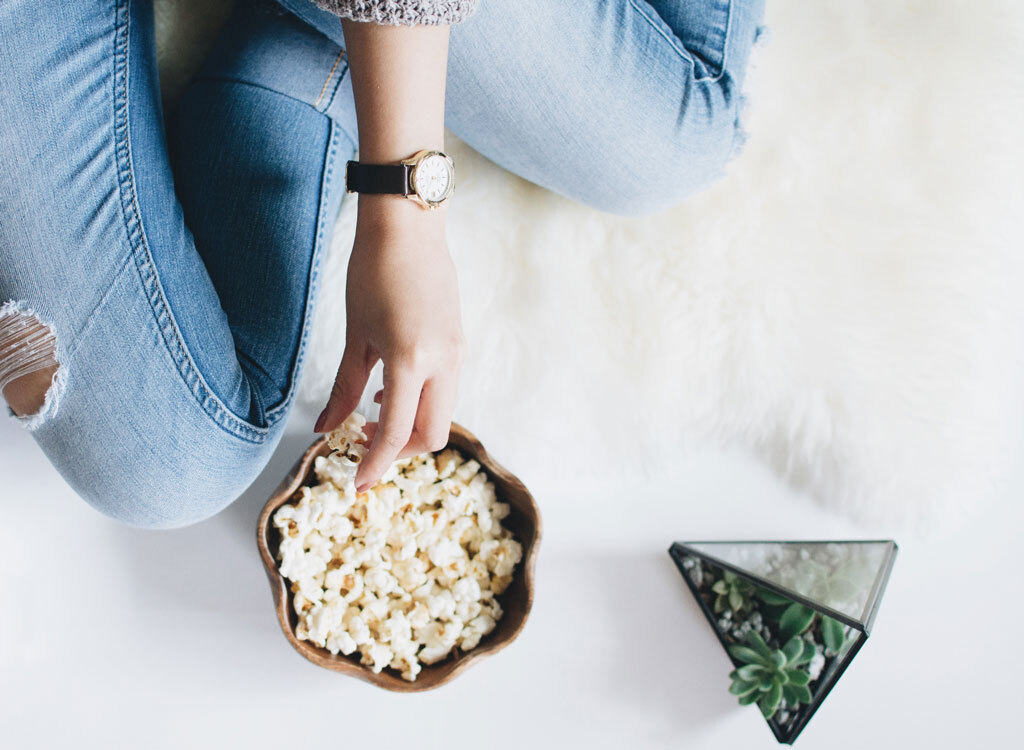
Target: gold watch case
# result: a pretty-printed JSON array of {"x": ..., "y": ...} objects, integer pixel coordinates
[{"x": 414, "y": 162}]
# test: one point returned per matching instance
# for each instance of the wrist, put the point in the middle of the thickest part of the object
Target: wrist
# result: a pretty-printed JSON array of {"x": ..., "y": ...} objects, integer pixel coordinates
[
  {"x": 390, "y": 148},
  {"x": 397, "y": 209},
  {"x": 386, "y": 217}
]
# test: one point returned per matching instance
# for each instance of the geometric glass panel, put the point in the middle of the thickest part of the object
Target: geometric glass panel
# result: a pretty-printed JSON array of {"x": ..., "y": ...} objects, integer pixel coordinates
[
  {"x": 840, "y": 576},
  {"x": 790, "y": 615}
]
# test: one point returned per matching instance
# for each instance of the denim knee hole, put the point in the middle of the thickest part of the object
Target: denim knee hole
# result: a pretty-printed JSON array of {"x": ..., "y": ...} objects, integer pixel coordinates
[{"x": 29, "y": 346}]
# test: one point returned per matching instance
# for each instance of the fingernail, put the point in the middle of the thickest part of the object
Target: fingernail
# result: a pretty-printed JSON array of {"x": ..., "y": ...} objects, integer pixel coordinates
[
  {"x": 320, "y": 421},
  {"x": 362, "y": 487}
]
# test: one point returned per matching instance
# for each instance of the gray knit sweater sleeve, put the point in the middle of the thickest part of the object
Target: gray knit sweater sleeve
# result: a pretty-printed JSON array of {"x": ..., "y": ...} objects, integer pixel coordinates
[{"x": 402, "y": 12}]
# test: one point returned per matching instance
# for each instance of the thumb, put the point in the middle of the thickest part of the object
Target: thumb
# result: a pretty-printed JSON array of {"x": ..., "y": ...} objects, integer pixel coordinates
[{"x": 347, "y": 389}]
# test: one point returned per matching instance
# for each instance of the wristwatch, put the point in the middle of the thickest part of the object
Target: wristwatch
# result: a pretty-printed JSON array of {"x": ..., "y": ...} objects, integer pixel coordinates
[{"x": 427, "y": 177}]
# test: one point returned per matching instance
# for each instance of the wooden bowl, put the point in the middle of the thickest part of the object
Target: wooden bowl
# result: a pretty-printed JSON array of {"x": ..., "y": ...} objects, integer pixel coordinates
[{"x": 523, "y": 520}]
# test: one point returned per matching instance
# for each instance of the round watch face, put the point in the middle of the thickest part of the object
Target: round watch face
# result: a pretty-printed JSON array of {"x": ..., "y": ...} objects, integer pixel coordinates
[{"x": 432, "y": 178}]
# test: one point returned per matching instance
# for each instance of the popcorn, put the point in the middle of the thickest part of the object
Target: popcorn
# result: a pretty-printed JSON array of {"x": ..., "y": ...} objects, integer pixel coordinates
[
  {"x": 467, "y": 470},
  {"x": 376, "y": 655},
  {"x": 341, "y": 641},
  {"x": 466, "y": 590},
  {"x": 403, "y": 573},
  {"x": 475, "y": 629}
]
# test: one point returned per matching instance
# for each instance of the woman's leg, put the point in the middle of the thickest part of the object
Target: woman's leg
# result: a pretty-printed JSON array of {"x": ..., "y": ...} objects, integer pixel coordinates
[
  {"x": 259, "y": 142},
  {"x": 158, "y": 416},
  {"x": 626, "y": 105}
]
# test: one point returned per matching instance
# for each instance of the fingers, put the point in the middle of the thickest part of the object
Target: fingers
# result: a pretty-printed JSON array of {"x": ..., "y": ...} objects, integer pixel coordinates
[
  {"x": 348, "y": 387},
  {"x": 433, "y": 421},
  {"x": 402, "y": 387},
  {"x": 434, "y": 418}
]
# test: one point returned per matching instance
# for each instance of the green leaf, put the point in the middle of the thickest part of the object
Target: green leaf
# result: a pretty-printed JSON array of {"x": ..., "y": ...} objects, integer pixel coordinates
[
  {"x": 833, "y": 634},
  {"x": 735, "y": 600},
  {"x": 798, "y": 677},
  {"x": 802, "y": 692},
  {"x": 789, "y": 692},
  {"x": 741, "y": 688},
  {"x": 806, "y": 656},
  {"x": 757, "y": 643},
  {"x": 750, "y": 672},
  {"x": 779, "y": 659},
  {"x": 795, "y": 620},
  {"x": 747, "y": 655},
  {"x": 770, "y": 597},
  {"x": 767, "y": 680},
  {"x": 746, "y": 700},
  {"x": 793, "y": 648},
  {"x": 770, "y": 701},
  {"x": 719, "y": 605},
  {"x": 720, "y": 587}
]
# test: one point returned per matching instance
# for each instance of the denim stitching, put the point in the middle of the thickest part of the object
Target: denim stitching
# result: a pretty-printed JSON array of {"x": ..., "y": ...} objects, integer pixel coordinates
[
  {"x": 330, "y": 74},
  {"x": 277, "y": 412},
  {"x": 192, "y": 378},
  {"x": 337, "y": 85},
  {"x": 725, "y": 42},
  {"x": 657, "y": 24}
]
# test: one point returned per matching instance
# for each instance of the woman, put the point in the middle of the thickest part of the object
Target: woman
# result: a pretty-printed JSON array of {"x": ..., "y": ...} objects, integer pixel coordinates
[{"x": 159, "y": 288}]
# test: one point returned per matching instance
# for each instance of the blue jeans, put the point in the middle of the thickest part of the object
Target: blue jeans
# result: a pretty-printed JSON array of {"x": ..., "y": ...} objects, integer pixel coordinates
[{"x": 178, "y": 267}]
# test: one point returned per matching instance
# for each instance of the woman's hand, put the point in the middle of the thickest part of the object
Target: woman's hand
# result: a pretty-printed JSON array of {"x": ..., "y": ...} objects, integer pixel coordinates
[
  {"x": 402, "y": 297},
  {"x": 402, "y": 303}
]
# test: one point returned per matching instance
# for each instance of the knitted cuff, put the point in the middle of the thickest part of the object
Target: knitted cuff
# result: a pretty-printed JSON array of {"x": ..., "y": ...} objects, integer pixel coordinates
[{"x": 402, "y": 12}]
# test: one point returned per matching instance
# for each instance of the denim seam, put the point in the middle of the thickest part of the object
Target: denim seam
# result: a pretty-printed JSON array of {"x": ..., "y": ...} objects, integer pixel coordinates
[
  {"x": 277, "y": 412},
  {"x": 680, "y": 48},
  {"x": 139, "y": 244},
  {"x": 239, "y": 82},
  {"x": 84, "y": 330},
  {"x": 327, "y": 82},
  {"x": 337, "y": 85}
]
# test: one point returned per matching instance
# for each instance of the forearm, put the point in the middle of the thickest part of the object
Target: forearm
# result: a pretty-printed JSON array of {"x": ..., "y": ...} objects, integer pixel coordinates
[
  {"x": 402, "y": 296},
  {"x": 398, "y": 78}
]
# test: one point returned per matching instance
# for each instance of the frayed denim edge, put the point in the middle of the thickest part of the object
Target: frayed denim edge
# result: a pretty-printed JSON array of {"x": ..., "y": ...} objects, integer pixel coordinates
[
  {"x": 762, "y": 37},
  {"x": 51, "y": 403}
]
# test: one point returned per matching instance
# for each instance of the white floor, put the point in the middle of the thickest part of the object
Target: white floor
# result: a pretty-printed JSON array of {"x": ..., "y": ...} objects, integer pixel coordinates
[{"x": 113, "y": 637}]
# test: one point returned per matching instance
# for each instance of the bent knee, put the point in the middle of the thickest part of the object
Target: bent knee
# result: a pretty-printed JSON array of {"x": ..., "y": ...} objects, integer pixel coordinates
[
  {"x": 162, "y": 500},
  {"x": 159, "y": 507},
  {"x": 168, "y": 480},
  {"x": 647, "y": 180}
]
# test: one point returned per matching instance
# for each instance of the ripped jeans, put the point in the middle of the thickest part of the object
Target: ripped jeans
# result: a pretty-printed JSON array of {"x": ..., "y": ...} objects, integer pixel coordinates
[{"x": 176, "y": 268}]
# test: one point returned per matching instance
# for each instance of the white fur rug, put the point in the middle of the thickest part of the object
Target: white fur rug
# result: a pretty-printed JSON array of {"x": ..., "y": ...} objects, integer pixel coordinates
[{"x": 848, "y": 303}]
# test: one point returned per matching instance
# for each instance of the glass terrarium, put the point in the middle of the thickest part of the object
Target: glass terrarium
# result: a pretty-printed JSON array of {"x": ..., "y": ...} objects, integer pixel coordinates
[{"x": 791, "y": 616}]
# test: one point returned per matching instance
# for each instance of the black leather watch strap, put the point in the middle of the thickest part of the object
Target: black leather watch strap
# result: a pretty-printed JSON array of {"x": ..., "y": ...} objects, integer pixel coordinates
[{"x": 390, "y": 179}]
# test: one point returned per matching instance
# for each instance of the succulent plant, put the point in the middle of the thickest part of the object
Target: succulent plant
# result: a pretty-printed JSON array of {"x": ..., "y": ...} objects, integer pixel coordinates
[
  {"x": 735, "y": 593},
  {"x": 833, "y": 634},
  {"x": 770, "y": 675},
  {"x": 792, "y": 617},
  {"x": 795, "y": 619}
]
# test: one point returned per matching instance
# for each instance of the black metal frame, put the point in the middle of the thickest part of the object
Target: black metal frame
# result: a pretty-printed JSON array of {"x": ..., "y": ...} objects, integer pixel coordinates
[{"x": 678, "y": 551}]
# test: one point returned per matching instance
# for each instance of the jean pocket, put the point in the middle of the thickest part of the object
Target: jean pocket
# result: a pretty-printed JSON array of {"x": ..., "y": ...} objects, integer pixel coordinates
[{"x": 699, "y": 31}]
